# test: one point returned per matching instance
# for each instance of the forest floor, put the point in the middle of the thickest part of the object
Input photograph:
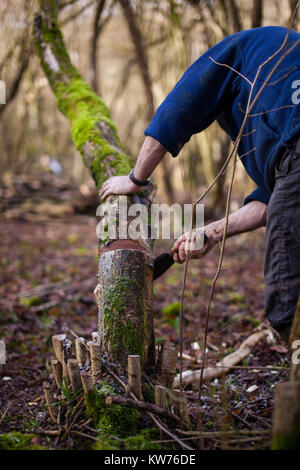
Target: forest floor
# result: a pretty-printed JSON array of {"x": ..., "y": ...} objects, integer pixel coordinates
[{"x": 60, "y": 255}]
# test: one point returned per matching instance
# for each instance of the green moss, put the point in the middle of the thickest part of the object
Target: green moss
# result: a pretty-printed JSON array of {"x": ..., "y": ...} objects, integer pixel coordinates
[
  {"x": 18, "y": 441},
  {"x": 91, "y": 122},
  {"x": 290, "y": 442},
  {"x": 116, "y": 421},
  {"x": 246, "y": 318},
  {"x": 236, "y": 296},
  {"x": 140, "y": 441},
  {"x": 148, "y": 393},
  {"x": 171, "y": 310},
  {"x": 115, "y": 418},
  {"x": 106, "y": 442},
  {"x": 123, "y": 335},
  {"x": 118, "y": 425},
  {"x": 31, "y": 301}
]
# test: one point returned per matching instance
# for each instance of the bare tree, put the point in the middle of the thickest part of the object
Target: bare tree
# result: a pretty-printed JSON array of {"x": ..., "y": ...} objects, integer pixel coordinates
[
  {"x": 257, "y": 14},
  {"x": 143, "y": 64},
  {"x": 235, "y": 15},
  {"x": 99, "y": 22}
]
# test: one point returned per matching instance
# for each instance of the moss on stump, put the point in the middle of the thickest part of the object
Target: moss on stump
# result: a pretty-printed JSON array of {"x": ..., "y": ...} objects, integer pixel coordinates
[{"x": 120, "y": 428}]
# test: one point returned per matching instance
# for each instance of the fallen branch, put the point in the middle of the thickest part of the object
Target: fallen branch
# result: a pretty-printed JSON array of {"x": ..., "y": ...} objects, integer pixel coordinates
[
  {"x": 239, "y": 432},
  {"x": 44, "y": 290},
  {"x": 83, "y": 434},
  {"x": 50, "y": 432},
  {"x": 141, "y": 405},
  {"x": 224, "y": 366},
  {"x": 46, "y": 306}
]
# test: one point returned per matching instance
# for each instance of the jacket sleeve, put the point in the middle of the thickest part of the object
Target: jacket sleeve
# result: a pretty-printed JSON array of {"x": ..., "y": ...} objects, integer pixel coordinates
[
  {"x": 198, "y": 98},
  {"x": 257, "y": 195}
]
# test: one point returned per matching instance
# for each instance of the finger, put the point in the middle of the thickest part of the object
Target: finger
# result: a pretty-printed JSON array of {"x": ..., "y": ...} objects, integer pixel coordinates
[
  {"x": 106, "y": 182},
  {"x": 177, "y": 244},
  {"x": 106, "y": 193},
  {"x": 174, "y": 248},
  {"x": 102, "y": 192},
  {"x": 176, "y": 259},
  {"x": 103, "y": 188}
]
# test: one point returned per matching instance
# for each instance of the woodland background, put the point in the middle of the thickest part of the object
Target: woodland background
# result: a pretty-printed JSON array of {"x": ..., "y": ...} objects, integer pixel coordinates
[{"x": 132, "y": 53}]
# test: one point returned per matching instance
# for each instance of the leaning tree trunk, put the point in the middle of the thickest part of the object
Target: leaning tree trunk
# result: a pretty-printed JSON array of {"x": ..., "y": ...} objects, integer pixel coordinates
[{"x": 124, "y": 290}]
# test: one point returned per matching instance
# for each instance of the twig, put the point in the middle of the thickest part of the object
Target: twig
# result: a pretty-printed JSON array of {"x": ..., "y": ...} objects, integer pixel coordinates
[
  {"x": 243, "y": 432},
  {"x": 50, "y": 432},
  {"x": 219, "y": 366},
  {"x": 219, "y": 265},
  {"x": 6, "y": 410},
  {"x": 233, "y": 70},
  {"x": 141, "y": 405},
  {"x": 259, "y": 418},
  {"x": 80, "y": 339},
  {"x": 83, "y": 434},
  {"x": 268, "y": 111},
  {"x": 77, "y": 13},
  {"x": 239, "y": 418},
  {"x": 68, "y": 428},
  {"x": 166, "y": 431},
  {"x": 233, "y": 441},
  {"x": 46, "y": 306}
]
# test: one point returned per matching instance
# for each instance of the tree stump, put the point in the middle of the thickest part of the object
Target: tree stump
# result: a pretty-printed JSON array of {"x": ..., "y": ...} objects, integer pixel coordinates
[{"x": 286, "y": 419}]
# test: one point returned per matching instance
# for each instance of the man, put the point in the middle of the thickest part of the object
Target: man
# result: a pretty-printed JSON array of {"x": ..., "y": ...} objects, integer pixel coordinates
[{"x": 216, "y": 87}]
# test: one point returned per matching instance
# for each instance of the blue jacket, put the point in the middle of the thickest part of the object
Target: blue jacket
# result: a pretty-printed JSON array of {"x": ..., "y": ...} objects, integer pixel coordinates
[{"x": 208, "y": 92}]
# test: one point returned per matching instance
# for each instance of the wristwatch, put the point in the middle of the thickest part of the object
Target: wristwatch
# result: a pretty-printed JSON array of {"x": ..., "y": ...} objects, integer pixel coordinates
[{"x": 138, "y": 182}]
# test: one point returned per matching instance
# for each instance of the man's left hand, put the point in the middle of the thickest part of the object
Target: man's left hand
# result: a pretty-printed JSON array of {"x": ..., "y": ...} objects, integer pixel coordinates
[{"x": 118, "y": 185}]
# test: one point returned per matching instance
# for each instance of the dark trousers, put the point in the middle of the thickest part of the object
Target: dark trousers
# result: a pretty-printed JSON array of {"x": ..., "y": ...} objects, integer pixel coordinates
[{"x": 282, "y": 260}]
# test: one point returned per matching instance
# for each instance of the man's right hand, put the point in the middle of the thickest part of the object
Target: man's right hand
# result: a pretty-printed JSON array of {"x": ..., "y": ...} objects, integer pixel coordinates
[
  {"x": 248, "y": 217},
  {"x": 188, "y": 244}
]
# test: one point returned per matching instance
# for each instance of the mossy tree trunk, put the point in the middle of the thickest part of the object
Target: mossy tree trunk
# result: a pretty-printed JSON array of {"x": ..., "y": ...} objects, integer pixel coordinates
[
  {"x": 286, "y": 426},
  {"x": 124, "y": 292}
]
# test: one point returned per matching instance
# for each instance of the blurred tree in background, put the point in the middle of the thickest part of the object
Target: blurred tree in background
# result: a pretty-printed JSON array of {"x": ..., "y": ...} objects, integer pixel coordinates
[{"x": 132, "y": 52}]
